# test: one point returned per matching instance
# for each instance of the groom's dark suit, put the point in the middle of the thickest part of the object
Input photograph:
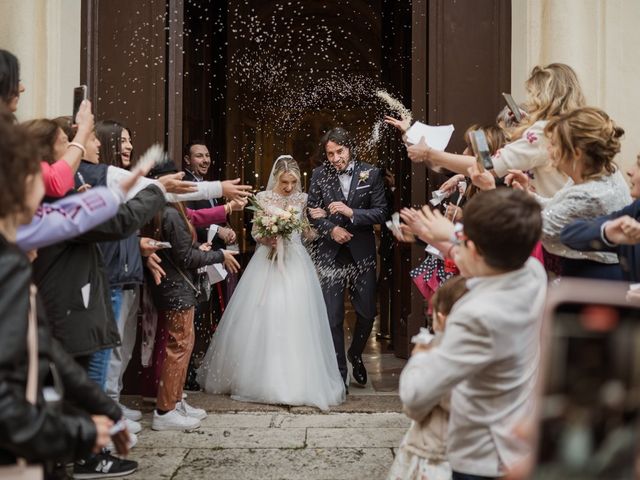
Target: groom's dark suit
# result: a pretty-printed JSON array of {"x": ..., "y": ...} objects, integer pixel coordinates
[{"x": 354, "y": 262}]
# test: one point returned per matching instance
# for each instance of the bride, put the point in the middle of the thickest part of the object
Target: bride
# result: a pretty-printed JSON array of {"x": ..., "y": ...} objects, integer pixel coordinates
[{"x": 273, "y": 344}]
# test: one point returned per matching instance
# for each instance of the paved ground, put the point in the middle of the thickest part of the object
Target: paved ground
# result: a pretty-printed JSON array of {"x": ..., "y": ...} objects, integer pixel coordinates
[
  {"x": 238, "y": 440},
  {"x": 254, "y": 441}
]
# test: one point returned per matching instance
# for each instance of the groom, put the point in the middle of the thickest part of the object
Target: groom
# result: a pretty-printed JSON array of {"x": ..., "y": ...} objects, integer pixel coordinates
[{"x": 346, "y": 199}]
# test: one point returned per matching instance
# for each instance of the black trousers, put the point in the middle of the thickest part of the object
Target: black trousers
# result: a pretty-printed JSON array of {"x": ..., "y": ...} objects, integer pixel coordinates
[{"x": 360, "y": 279}]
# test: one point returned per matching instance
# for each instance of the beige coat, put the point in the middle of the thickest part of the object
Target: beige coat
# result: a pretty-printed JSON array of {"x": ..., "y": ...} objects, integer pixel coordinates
[{"x": 489, "y": 359}]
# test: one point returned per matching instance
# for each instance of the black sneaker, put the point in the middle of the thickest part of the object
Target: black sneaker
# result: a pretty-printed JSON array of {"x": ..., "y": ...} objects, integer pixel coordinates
[{"x": 103, "y": 465}]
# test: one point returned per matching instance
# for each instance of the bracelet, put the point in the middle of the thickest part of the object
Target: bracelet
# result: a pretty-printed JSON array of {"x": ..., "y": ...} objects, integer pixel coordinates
[{"x": 80, "y": 146}]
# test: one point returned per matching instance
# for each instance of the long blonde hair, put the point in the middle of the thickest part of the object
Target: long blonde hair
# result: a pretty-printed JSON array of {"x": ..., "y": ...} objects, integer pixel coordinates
[
  {"x": 552, "y": 90},
  {"x": 590, "y": 130}
]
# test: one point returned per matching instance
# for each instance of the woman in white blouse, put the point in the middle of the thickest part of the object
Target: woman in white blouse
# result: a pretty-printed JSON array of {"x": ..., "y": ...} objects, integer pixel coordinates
[{"x": 552, "y": 90}]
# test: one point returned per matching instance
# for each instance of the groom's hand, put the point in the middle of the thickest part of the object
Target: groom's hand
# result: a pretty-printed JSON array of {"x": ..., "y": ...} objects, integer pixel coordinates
[
  {"x": 341, "y": 208},
  {"x": 340, "y": 235}
]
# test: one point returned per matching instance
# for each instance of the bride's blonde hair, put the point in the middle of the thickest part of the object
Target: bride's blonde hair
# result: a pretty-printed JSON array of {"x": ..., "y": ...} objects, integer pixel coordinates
[{"x": 286, "y": 164}]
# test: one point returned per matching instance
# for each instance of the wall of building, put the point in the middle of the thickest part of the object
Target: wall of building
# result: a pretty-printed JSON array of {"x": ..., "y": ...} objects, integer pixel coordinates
[
  {"x": 600, "y": 39},
  {"x": 45, "y": 36}
]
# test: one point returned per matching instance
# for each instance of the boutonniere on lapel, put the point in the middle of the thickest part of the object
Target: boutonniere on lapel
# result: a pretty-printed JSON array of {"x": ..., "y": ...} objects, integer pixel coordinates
[{"x": 363, "y": 176}]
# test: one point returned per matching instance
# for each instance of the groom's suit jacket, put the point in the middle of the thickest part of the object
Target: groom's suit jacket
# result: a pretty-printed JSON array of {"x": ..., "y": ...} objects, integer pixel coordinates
[{"x": 366, "y": 199}]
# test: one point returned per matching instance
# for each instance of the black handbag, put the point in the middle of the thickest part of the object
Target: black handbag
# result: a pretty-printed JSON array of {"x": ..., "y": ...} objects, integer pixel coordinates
[{"x": 202, "y": 287}]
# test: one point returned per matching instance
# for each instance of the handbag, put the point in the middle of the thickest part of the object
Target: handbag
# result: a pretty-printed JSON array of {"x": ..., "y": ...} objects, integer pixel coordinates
[
  {"x": 22, "y": 471},
  {"x": 202, "y": 288}
]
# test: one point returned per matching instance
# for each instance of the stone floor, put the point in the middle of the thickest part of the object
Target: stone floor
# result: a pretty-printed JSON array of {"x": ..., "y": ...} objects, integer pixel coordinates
[
  {"x": 355, "y": 440},
  {"x": 239, "y": 440},
  {"x": 273, "y": 445}
]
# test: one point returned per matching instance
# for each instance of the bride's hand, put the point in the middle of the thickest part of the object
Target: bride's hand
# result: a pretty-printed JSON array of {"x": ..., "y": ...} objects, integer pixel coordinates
[
  {"x": 230, "y": 262},
  {"x": 316, "y": 213}
]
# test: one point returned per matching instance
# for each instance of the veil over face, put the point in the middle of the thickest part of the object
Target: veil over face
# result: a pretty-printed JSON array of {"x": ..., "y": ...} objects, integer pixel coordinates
[{"x": 284, "y": 163}]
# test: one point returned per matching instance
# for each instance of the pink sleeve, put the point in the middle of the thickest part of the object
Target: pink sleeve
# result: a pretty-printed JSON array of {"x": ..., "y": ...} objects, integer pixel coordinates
[
  {"x": 207, "y": 216},
  {"x": 58, "y": 178}
]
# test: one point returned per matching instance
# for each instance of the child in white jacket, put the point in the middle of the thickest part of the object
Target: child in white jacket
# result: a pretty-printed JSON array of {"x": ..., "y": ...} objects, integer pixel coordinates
[{"x": 422, "y": 453}]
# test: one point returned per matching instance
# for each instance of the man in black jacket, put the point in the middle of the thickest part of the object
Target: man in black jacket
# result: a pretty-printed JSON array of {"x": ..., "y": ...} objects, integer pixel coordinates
[
  {"x": 197, "y": 161},
  {"x": 351, "y": 195},
  {"x": 616, "y": 232}
]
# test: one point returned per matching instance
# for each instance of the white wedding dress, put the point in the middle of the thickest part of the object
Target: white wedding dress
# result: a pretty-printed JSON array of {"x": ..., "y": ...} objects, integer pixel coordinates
[{"x": 273, "y": 343}]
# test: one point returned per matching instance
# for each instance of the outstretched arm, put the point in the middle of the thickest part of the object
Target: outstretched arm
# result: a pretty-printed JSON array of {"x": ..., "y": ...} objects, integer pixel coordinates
[{"x": 68, "y": 218}]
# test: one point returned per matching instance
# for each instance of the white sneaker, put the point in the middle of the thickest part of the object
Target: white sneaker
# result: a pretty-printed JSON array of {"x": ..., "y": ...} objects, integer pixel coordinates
[
  {"x": 133, "y": 427},
  {"x": 133, "y": 440},
  {"x": 186, "y": 409},
  {"x": 173, "y": 420},
  {"x": 130, "y": 413}
]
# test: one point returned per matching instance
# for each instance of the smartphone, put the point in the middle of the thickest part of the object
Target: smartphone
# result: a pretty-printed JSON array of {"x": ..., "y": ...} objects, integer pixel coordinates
[
  {"x": 481, "y": 149},
  {"x": 513, "y": 106},
  {"x": 79, "y": 94},
  {"x": 589, "y": 389},
  {"x": 160, "y": 245}
]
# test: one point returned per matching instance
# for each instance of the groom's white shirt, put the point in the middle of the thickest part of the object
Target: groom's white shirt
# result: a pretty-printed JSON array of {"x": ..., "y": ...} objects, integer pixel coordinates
[
  {"x": 489, "y": 356},
  {"x": 345, "y": 181}
]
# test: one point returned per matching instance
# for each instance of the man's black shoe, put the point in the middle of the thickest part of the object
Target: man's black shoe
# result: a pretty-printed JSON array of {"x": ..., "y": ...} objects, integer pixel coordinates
[
  {"x": 358, "y": 372},
  {"x": 103, "y": 465}
]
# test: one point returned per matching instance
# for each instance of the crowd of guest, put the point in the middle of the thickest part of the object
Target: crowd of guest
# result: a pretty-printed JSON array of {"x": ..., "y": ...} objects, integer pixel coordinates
[
  {"x": 81, "y": 229},
  {"x": 553, "y": 203},
  {"x": 84, "y": 231}
]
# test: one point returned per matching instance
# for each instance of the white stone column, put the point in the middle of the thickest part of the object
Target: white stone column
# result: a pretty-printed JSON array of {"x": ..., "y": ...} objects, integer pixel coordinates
[
  {"x": 599, "y": 39},
  {"x": 45, "y": 36}
]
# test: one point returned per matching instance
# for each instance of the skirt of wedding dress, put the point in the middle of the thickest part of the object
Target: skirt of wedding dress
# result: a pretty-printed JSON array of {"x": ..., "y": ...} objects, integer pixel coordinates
[{"x": 273, "y": 343}]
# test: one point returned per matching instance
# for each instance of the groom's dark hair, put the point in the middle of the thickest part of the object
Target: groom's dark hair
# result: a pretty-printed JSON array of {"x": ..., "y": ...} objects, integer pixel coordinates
[{"x": 340, "y": 136}]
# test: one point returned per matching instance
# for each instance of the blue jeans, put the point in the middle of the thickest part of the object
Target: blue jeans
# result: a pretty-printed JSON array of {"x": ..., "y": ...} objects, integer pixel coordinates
[{"x": 99, "y": 362}]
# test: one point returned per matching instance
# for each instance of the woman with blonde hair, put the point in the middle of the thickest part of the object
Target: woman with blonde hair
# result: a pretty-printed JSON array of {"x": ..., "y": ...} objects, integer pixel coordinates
[
  {"x": 274, "y": 344},
  {"x": 583, "y": 144},
  {"x": 552, "y": 90}
]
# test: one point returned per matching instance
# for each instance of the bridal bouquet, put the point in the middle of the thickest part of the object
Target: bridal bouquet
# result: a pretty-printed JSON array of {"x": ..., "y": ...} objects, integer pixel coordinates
[{"x": 275, "y": 222}]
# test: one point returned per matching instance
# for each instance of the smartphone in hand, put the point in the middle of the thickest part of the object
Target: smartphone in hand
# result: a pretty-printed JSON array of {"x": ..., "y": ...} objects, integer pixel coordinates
[
  {"x": 160, "y": 245},
  {"x": 79, "y": 94},
  {"x": 513, "y": 106},
  {"x": 481, "y": 150}
]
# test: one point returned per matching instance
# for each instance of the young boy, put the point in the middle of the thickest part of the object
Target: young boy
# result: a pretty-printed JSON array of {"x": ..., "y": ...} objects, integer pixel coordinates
[{"x": 490, "y": 349}]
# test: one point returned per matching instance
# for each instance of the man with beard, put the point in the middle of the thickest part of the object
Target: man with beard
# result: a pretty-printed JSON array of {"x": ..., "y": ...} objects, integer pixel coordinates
[{"x": 197, "y": 161}]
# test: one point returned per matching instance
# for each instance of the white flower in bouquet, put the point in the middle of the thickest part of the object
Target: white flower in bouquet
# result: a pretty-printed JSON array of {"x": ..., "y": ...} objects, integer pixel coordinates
[{"x": 274, "y": 222}]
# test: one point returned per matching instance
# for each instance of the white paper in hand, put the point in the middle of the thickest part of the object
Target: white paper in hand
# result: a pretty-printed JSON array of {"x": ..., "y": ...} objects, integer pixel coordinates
[
  {"x": 436, "y": 137},
  {"x": 216, "y": 273}
]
